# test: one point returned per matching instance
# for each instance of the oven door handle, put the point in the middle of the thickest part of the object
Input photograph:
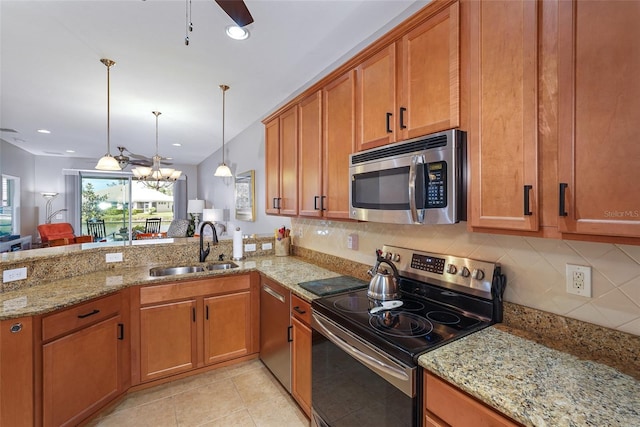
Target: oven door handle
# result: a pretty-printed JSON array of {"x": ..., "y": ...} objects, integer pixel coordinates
[
  {"x": 372, "y": 362},
  {"x": 416, "y": 217}
]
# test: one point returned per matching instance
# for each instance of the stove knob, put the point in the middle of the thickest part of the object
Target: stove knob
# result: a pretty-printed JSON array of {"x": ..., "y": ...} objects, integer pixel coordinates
[
  {"x": 465, "y": 272},
  {"x": 477, "y": 274},
  {"x": 452, "y": 269},
  {"x": 395, "y": 257}
]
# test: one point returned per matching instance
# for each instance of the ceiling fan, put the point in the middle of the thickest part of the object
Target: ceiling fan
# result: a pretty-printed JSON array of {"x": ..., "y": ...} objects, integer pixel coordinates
[
  {"x": 135, "y": 159},
  {"x": 237, "y": 10}
]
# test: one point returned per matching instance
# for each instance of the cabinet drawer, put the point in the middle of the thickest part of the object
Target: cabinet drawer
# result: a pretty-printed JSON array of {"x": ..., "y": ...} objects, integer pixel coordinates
[
  {"x": 79, "y": 316},
  {"x": 301, "y": 309},
  {"x": 193, "y": 288}
]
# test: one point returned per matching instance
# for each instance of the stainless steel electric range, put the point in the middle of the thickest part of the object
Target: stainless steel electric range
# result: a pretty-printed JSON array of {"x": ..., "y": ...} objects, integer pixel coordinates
[{"x": 365, "y": 352}]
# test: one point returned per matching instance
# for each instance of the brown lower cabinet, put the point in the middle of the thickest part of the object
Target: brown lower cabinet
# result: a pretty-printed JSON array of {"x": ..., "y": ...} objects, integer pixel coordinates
[
  {"x": 16, "y": 372},
  {"x": 447, "y": 406},
  {"x": 301, "y": 353},
  {"x": 85, "y": 356},
  {"x": 191, "y": 324}
]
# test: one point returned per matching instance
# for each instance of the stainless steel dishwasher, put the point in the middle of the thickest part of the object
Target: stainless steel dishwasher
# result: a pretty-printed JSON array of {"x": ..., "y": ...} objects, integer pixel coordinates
[{"x": 275, "y": 330}]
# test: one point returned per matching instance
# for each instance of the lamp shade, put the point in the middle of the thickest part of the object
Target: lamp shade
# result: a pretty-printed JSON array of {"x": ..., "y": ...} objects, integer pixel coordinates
[
  {"x": 108, "y": 163},
  {"x": 195, "y": 206},
  {"x": 223, "y": 171}
]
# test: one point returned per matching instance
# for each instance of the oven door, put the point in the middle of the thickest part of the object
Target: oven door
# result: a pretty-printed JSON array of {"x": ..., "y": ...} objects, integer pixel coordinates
[{"x": 354, "y": 384}]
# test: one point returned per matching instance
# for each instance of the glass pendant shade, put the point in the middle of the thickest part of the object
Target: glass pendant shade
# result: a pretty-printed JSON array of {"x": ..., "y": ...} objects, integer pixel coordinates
[
  {"x": 108, "y": 163},
  {"x": 223, "y": 171}
]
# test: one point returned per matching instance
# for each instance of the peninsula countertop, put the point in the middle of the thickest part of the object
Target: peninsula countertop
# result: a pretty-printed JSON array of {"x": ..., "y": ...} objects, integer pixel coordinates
[
  {"x": 536, "y": 385},
  {"x": 50, "y": 296}
]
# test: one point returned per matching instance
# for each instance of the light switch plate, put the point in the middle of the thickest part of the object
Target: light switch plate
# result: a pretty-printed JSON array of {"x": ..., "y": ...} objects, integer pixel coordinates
[
  {"x": 114, "y": 257},
  {"x": 250, "y": 247},
  {"x": 14, "y": 274},
  {"x": 267, "y": 246}
]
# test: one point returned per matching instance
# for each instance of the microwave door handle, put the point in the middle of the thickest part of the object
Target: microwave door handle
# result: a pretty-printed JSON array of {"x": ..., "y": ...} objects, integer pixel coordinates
[{"x": 416, "y": 217}]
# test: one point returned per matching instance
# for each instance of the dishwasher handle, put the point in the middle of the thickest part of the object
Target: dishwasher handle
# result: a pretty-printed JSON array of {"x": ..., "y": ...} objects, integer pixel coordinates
[{"x": 273, "y": 293}]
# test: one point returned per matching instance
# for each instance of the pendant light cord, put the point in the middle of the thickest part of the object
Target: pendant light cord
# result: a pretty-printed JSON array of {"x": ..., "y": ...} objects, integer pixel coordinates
[
  {"x": 224, "y": 89},
  {"x": 109, "y": 63}
]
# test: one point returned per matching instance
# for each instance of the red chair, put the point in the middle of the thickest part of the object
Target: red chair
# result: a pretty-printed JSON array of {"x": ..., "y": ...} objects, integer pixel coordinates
[{"x": 58, "y": 231}]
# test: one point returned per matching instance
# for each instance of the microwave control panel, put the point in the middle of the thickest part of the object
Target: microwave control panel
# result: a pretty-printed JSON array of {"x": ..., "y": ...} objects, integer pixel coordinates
[{"x": 436, "y": 185}]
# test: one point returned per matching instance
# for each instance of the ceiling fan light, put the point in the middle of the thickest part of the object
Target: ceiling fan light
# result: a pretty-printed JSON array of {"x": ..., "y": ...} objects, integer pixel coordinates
[
  {"x": 144, "y": 171},
  {"x": 108, "y": 163},
  {"x": 237, "y": 33},
  {"x": 175, "y": 175},
  {"x": 223, "y": 171},
  {"x": 136, "y": 172},
  {"x": 166, "y": 172}
]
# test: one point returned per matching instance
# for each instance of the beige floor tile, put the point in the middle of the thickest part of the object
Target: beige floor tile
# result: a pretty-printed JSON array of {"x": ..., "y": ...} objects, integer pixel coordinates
[
  {"x": 257, "y": 385},
  {"x": 160, "y": 413},
  {"x": 244, "y": 367},
  {"x": 237, "y": 419},
  {"x": 143, "y": 397},
  {"x": 277, "y": 412},
  {"x": 200, "y": 380},
  {"x": 198, "y": 406}
]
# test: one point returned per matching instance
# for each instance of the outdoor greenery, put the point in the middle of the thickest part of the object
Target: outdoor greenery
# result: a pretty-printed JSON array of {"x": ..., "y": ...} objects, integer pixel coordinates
[{"x": 91, "y": 203}]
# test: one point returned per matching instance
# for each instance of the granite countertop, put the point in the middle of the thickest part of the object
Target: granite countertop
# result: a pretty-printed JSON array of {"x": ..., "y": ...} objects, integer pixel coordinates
[
  {"x": 536, "y": 385},
  {"x": 47, "y": 297}
]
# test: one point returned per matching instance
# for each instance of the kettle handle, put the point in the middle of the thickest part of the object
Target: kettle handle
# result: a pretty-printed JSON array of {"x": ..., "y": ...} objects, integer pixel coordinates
[{"x": 393, "y": 267}]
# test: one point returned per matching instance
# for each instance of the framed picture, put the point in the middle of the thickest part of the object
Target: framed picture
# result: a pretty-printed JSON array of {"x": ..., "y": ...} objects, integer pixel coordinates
[{"x": 246, "y": 196}]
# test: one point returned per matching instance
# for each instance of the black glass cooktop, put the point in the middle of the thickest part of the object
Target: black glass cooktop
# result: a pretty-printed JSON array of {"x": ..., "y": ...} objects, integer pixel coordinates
[
  {"x": 333, "y": 285},
  {"x": 406, "y": 331}
]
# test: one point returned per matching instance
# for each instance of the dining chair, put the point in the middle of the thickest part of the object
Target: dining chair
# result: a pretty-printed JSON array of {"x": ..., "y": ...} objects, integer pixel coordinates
[
  {"x": 97, "y": 229},
  {"x": 152, "y": 225}
]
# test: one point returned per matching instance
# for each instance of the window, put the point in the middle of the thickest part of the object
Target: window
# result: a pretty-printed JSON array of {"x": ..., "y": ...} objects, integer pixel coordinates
[
  {"x": 123, "y": 204},
  {"x": 9, "y": 210}
]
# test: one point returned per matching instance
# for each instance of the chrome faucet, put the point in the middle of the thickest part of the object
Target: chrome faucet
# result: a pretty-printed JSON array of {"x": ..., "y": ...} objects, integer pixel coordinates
[{"x": 205, "y": 252}]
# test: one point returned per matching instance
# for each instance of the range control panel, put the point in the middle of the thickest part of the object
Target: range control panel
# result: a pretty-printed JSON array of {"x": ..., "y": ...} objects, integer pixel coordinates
[{"x": 473, "y": 275}]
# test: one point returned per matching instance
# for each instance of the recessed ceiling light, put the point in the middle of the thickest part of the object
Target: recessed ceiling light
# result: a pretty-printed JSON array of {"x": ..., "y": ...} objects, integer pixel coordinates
[
  {"x": 177, "y": 144},
  {"x": 43, "y": 131},
  {"x": 237, "y": 33},
  {"x": 70, "y": 151}
]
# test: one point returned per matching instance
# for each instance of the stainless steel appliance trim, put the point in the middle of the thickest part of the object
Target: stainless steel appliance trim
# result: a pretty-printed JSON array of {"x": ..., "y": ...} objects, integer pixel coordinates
[
  {"x": 273, "y": 293},
  {"x": 417, "y": 218},
  {"x": 400, "y": 376}
]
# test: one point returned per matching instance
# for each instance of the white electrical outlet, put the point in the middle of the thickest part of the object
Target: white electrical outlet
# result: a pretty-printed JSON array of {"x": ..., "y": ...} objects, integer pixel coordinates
[
  {"x": 250, "y": 247},
  {"x": 299, "y": 233},
  {"x": 114, "y": 257},
  {"x": 352, "y": 241},
  {"x": 267, "y": 246},
  {"x": 14, "y": 274},
  {"x": 579, "y": 280}
]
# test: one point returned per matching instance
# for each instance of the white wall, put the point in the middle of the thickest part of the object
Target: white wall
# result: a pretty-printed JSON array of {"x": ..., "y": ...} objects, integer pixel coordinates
[
  {"x": 243, "y": 153},
  {"x": 16, "y": 162}
]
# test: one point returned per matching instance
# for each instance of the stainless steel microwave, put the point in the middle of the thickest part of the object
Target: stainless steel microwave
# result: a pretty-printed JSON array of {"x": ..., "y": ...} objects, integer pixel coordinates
[{"x": 419, "y": 181}]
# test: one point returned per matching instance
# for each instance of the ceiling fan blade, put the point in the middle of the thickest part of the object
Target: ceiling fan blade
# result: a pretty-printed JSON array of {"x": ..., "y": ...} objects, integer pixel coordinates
[
  {"x": 140, "y": 162},
  {"x": 237, "y": 10}
]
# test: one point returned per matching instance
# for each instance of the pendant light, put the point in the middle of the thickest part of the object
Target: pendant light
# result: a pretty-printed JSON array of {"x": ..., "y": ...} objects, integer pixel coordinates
[
  {"x": 156, "y": 177},
  {"x": 108, "y": 162},
  {"x": 223, "y": 170}
]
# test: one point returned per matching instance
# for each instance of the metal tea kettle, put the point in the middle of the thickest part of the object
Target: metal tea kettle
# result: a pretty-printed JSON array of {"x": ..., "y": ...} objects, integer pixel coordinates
[{"x": 383, "y": 285}]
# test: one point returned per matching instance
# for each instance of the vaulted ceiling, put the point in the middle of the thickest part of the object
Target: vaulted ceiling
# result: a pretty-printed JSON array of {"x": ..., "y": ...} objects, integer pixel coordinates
[{"x": 51, "y": 76}]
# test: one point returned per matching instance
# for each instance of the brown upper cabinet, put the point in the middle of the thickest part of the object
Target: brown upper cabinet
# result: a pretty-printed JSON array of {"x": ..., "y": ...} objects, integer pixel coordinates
[
  {"x": 281, "y": 154},
  {"x": 503, "y": 126},
  {"x": 411, "y": 87},
  {"x": 310, "y": 156},
  {"x": 599, "y": 105}
]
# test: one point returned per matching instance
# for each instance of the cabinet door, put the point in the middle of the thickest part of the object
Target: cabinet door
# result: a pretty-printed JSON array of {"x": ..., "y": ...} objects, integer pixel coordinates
[
  {"x": 81, "y": 372},
  {"x": 339, "y": 140},
  {"x": 431, "y": 76},
  {"x": 503, "y": 128},
  {"x": 376, "y": 100},
  {"x": 289, "y": 162},
  {"x": 310, "y": 155},
  {"x": 167, "y": 339},
  {"x": 301, "y": 365},
  {"x": 227, "y": 327},
  {"x": 272, "y": 165},
  {"x": 16, "y": 372},
  {"x": 599, "y": 101}
]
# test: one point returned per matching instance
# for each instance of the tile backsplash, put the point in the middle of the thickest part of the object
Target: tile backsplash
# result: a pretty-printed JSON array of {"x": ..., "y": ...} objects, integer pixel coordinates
[{"x": 535, "y": 267}]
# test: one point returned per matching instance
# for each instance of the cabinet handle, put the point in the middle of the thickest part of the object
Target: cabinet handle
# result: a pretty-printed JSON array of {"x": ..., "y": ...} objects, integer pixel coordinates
[
  {"x": 279, "y": 199},
  {"x": 82, "y": 316},
  {"x": 402, "y": 111},
  {"x": 322, "y": 208},
  {"x": 389, "y": 115},
  {"x": 121, "y": 331},
  {"x": 193, "y": 310},
  {"x": 561, "y": 207},
  {"x": 206, "y": 312},
  {"x": 274, "y": 203},
  {"x": 527, "y": 191},
  {"x": 315, "y": 202},
  {"x": 297, "y": 310},
  {"x": 289, "y": 337}
]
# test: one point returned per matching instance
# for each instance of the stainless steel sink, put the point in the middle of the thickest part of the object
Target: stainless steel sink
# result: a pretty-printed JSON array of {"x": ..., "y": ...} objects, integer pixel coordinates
[
  {"x": 223, "y": 265},
  {"x": 171, "y": 271}
]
